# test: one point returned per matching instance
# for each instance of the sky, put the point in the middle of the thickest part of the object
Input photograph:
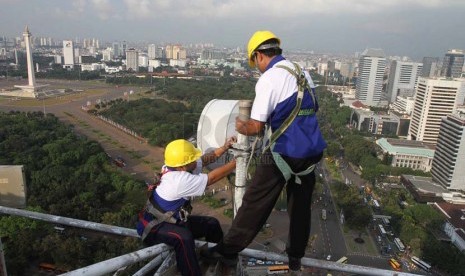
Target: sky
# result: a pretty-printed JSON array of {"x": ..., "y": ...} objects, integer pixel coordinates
[{"x": 414, "y": 28}]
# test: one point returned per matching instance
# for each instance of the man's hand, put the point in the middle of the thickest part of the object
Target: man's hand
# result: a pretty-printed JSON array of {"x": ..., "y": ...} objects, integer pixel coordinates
[{"x": 229, "y": 142}]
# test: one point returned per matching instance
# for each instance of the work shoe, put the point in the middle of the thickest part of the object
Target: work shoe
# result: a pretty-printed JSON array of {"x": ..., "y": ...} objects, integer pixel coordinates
[
  {"x": 212, "y": 256},
  {"x": 294, "y": 263}
]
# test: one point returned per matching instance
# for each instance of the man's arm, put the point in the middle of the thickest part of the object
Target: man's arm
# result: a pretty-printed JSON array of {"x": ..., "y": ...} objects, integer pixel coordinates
[
  {"x": 250, "y": 127},
  {"x": 218, "y": 173}
]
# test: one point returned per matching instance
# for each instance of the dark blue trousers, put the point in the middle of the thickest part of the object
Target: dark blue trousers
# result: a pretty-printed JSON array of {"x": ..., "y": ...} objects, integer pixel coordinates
[
  {"x": 181, "y": 237},
  {"x": 260, "y": 198}
]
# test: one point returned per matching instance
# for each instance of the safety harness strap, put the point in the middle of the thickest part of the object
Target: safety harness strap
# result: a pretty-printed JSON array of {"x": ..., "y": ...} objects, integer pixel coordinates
[
  {"x": 159, "y": 217},
  {"x": 302, "y": 84},
  {"x": 286, "y": 169}
]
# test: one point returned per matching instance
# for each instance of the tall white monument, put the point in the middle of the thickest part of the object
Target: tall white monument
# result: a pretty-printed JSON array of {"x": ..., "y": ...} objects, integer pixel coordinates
[{"x": 30, "y": 90}]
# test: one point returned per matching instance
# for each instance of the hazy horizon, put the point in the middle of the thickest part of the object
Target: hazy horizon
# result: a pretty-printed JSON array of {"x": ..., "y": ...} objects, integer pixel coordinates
[{"x": 411, "y": 28}]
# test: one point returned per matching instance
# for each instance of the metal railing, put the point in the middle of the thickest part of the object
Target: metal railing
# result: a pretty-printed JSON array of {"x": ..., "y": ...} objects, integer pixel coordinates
[{"x": 162, "y": 255}]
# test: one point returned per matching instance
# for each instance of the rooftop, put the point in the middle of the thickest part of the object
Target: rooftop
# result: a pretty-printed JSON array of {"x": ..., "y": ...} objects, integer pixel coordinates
[
  {"x": 371, "y": 52},
  {"x": 425, "y": 185},
  {"x": 408, "y": 147},
  {"x": 455, "y": 214}
]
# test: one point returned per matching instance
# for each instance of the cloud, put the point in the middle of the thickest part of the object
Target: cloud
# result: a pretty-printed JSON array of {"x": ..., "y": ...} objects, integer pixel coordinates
[
  {"x": 273, "y": 8},
  {"x": 80, "y": 5},
  {"x": 103, "y": 8}
]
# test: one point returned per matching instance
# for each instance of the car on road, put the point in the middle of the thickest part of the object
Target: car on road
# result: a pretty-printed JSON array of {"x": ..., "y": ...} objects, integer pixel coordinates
[
  {"x": 328, "y": 258},
  {"x": 119, "y": 161}
]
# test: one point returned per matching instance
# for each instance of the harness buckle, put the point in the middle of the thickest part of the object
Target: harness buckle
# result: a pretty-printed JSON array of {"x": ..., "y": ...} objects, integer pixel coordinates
[{"x": 185, "y": 211}]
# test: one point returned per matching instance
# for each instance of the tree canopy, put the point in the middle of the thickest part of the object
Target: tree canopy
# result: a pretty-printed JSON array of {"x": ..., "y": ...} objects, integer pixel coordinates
[{"x": 66, "y": 175}]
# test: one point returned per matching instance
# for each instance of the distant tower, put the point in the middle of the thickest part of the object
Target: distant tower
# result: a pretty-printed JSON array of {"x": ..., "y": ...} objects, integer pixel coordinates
[
  {"x": 30, "y": 90},
  {"x": 16, "y": 57},
  {"x": 370, "y": 76},
  {"x": 30, "y": 64}
]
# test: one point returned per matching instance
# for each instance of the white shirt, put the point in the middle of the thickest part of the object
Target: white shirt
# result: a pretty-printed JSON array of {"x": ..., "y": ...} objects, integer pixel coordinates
[
  {"x": 273, "y": 87},
  {"x": 180, "y": 184}
]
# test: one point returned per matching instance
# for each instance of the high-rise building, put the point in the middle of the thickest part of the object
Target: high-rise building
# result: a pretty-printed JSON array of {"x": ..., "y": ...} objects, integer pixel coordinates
[
  {"x": 449, "y": 159},
  {"x": 160, "y": 52},
  {"x": 347, "y": 69},
  {"x": 212, "y": 54},
  {"x": 116, "y": 49},
  {"x": 452, "y": 64},
  {"x": 402, "y": 79},
  {"x": 434, "y": 99},
  {"x": 143, "y": 60},
  {"x": 322, "y": 68},
  {"x": 182, "y": 54},
  {"x": 107, "y": 54},
  {"x": 132, "y": 60},
  {"x": 370, "y": 76},
  {"x": 169, "y": 51},
  {"x": 68, "y": 54},
  {"x": 77, "y": 54},
  {"x": 430, "y": 67},
  {"x": 123, "y": 47},
  {"x": 152, "y": 51}
]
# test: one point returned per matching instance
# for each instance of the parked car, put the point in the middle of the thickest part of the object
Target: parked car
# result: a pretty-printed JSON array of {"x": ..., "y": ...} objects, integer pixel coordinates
[{"x": 328, "y": 258}]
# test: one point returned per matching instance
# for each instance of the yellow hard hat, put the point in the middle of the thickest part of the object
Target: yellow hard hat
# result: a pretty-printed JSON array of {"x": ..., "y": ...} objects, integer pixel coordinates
[
  {"x": 181, "y": 152},
  {"x": 256, "y": 40}
]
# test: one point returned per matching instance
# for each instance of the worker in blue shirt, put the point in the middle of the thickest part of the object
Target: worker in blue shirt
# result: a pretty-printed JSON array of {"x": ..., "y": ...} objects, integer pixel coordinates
[{"x": 284, "y": 101}]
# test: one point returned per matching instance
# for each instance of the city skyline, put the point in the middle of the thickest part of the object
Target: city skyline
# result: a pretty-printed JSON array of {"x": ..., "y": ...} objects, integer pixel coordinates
[{"x": 411, "y": 28}]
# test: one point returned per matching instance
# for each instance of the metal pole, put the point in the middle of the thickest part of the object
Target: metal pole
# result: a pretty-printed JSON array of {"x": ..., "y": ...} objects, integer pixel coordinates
[
  {"x": 168, "y": 262},
  {"x": 113, "y": 264},
  {"x": 151, "y": 265},
  {"x": 71, "y": 222},
  {"x": 241, "y": 160}
]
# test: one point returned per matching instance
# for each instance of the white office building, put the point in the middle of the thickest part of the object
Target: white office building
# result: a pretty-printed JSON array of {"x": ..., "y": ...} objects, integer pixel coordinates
[
  {"x": 178, "y": 63},
  {"x": 449, "y": 160},
  {"x": 402, "y": 79},
  {"x": 154, "y": 63},
  {"x": 143, "y": 60},
  {"x": 370, "y": 77},
  {"x": 68, "y": 54},
  {"x": 107, "y": 54},
  {"x": 434, "y": 99}
]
